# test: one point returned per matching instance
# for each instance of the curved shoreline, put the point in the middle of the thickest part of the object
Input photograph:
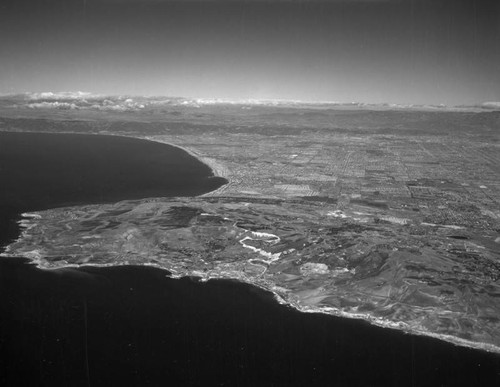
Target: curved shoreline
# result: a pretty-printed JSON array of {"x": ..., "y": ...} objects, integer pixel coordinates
[
  {"x": 217, "y": 169},
  {"x": 281, "y": 297},
  {"x": 326, "y": 311}
]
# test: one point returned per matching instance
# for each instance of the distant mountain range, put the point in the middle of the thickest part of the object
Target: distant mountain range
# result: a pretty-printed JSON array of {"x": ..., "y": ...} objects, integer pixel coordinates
[{"x": 87, "y": 101}]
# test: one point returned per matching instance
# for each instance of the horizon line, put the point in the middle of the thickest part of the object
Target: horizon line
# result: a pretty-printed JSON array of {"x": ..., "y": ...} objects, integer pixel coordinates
[{"x": 76, "y": 95}]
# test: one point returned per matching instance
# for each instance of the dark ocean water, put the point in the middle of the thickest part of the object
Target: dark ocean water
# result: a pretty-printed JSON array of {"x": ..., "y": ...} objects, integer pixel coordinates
[{"x": 136, "y": 326}]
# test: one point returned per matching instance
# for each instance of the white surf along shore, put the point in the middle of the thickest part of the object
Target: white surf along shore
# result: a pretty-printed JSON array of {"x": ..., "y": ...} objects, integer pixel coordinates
[{"x": 218, "y": 169}]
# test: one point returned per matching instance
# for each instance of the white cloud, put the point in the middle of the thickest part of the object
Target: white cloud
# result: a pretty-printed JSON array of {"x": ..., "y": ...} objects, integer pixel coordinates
[
  {"x": 62, "y": 95},
  {"x": 491, "y": 105},
  {"x": 52, "y": 105}
]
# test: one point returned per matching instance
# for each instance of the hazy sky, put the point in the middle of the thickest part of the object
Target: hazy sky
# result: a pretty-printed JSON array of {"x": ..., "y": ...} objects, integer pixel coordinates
[{"x": 398, "y": 51}]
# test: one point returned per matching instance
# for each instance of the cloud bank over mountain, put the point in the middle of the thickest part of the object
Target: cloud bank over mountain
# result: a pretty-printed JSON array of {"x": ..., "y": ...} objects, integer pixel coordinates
[{"x": 80, "y": 100}]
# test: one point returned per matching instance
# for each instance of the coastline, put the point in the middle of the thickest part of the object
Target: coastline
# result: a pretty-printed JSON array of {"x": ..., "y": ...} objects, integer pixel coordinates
[
  {"x": 217, "y": 168},
  {"x": 30, "y": 219},
  {"x": 281, "y": 299}
]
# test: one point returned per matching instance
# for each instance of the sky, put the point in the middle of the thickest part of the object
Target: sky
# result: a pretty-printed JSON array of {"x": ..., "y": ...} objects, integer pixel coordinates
[{"x": 372, "y": 51}]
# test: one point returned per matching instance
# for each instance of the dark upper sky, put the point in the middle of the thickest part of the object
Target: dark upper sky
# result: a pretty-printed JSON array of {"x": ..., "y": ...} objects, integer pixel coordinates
[{"x": 397, "y": 51}]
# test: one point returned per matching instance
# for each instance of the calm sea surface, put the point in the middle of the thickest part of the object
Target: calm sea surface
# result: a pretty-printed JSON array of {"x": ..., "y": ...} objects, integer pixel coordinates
[{"x": 130, "y": 325}]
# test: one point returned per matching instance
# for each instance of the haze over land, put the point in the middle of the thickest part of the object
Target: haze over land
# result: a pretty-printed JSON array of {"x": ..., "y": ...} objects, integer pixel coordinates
[{"x": 126, "y": 103}]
